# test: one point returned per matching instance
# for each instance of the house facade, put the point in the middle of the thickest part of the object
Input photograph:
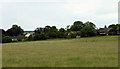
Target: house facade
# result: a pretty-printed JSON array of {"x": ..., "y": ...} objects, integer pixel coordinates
[{"x": 103, "y": 31}]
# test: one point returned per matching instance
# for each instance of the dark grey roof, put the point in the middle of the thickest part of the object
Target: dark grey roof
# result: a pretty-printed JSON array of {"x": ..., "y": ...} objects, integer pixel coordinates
[{"x": 104, "y": 30}]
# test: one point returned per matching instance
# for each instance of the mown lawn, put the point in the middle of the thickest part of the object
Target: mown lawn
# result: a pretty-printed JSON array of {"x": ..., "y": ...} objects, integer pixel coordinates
[{"x": 83, "y": 52}]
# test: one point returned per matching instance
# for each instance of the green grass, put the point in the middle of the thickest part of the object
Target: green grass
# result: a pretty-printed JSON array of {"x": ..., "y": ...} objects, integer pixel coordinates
[{"x": 82, "y": 52}]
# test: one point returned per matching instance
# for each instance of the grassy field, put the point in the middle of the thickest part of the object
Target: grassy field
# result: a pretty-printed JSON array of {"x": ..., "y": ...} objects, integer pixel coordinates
[{"x": 83, "y": 52}]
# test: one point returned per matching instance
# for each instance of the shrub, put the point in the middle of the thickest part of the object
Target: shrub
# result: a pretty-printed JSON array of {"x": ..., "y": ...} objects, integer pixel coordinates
[
  {"x": 19, "y": 39},
  {"x": 6, "y": 39},
  {"x": 52, "y": 34},
  {"x": 61, "y": 35},
  {"x": 40, "y": 37},
  {"x": 30, "y": 38},
  {"x": 87, "y": 31},
  {"x": 112, "y": 32},
  {"x": 72, "y": 35}
]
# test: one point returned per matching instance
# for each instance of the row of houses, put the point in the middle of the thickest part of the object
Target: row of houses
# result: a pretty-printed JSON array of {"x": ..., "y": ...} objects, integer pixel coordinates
[
  {"x": 107, "y": 31},
  {"x": 100, "y": 31},
  {"x": 15, "y": 38}
]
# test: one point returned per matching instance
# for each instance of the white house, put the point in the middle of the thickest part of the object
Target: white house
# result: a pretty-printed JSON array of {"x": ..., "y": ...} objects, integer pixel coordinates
[{"x": 27, "y": 35}]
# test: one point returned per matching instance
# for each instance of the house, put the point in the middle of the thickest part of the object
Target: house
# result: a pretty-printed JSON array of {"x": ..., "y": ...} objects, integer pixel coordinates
[
  {"x": 27, "y": 35},
  {"x": 103, "y": 31},
  {"x": 17, "y": 38},
  {"x": 77, "y": 33}
]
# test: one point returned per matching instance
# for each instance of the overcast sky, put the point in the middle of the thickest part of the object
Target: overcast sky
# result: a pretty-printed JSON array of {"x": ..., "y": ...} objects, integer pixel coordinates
[{"x": 30, "y": 14}]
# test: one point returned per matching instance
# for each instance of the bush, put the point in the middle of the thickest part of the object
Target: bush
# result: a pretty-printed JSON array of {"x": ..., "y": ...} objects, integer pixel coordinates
[
  {"x": 6, "y": 39},
  {"x": 61, "y": 35},
  {"x": 112, "y": 32},
  {"x": 40, "y": 37},
  {"x": 30, "y": 38},
  {"x": 19, "y": 39},
  {"x": 87, "y": 31},
  {"x": 52, "y": 34},
  {"x": 72, "y": 35}
]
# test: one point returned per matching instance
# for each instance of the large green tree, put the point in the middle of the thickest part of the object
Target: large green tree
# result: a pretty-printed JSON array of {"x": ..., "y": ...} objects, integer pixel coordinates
[
  {"x": 40, "y": 36},
  {"x": 90, "y": 24},
  {"x": 14, "y": 31},
  {"x": 113, "y": 26},
  {"x": 47, "y": 29},
  {"x": 115, "y": 29},
  {"x": 77, "y": 26},
  {"x": 53, "y": 29},
  {"x": 87, "y": 31},
  {"x": 53, "y": 32},
  {"x": 61, "y": 33}
]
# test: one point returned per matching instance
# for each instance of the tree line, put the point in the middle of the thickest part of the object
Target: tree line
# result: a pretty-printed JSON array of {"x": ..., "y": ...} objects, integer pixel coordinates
[{"x": 78, "y": 29}]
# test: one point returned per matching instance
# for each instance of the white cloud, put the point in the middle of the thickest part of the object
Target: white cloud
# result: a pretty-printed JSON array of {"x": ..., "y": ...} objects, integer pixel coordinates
[
  {"x": 109, "y": 16},
  {"x": 58, "y": 12}
]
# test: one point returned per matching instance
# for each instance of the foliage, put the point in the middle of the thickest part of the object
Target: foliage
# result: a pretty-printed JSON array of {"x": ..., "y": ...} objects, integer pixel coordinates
[
  {"x": 30, "y": 38},
  {"x": 77, "y": 26},
  {"x": 53, "y": 29},
  {"x": 39, "y": 30},
  {"x": 114, "y": 29},
  {"x": 68, "y": 28},
  {"x": 72, "y": 35},
  {"x": 47, "y": 28},
  {"x": 113, "y": 26},
  {"x": 61, "y": 33},
  {"x": 6, "y": 39},
  {"x": 87, "y": 31},
  {"x": 62, "y": 30},
  {"x": 112, "y": 32},
  {"x": 3, "y": 31},
  {"x": 39, "y": 37},
  {"x": 19, "y": 39},
  {"x": 14, "y": 31},
  {"x": 52, "y": 34},
  {"x": 92, "y": 25}
]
